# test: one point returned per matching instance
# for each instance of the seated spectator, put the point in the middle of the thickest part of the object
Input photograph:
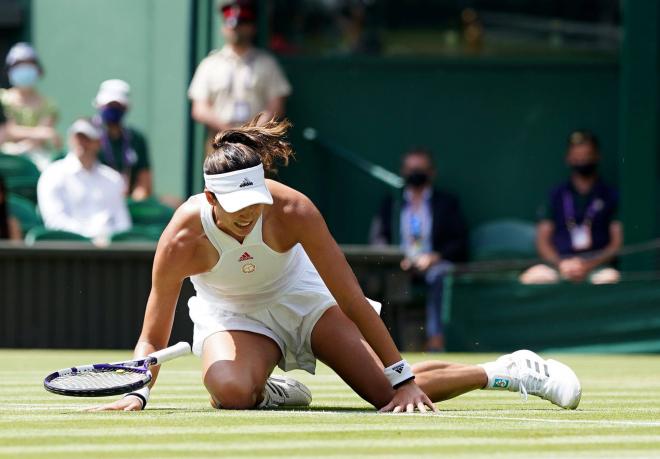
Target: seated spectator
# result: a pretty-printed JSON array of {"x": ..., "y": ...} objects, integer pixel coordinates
[
  {"x": 123, "y": 148},
  {"x": 79, "y": 194},
  {"x": 579, "y": 233},
  {"x": 431, "y": 231},
  {"x": 10, "y": 228},
  {"x": 31, "y": 117}
]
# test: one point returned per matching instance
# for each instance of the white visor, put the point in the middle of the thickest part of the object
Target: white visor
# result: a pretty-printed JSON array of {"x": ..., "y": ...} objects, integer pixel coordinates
[{"x": 238, "y": 189}]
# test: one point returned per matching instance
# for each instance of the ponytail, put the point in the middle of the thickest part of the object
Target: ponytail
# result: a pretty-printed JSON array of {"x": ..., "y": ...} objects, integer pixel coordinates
[{"x": 248, "y": 145}]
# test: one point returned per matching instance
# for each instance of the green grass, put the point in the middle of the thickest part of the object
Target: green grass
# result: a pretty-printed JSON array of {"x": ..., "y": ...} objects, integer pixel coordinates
[{"x": 619, "y": 417}]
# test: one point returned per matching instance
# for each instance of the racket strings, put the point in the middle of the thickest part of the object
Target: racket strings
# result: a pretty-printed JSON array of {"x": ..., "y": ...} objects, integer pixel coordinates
[{"x": 97, "y": 379}]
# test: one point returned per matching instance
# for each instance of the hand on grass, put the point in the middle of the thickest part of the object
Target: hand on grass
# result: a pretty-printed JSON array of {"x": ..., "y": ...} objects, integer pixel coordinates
[
  {"x": 407, "y": 398},
  {"x": 129, "y": 403}
]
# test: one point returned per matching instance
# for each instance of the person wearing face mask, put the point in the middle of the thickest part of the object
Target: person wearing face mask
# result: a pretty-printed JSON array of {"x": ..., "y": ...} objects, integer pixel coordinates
[
  {"x": 122, "y": 148},
  {"x": 429, "y": 227},
  {"x": 31, "y": 117},
  {"x": 579, "y": 233},
  {"x": 235, "y": 83}
]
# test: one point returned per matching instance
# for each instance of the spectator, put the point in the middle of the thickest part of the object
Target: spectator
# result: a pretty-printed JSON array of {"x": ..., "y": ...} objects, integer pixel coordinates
[
  {"x": 10, "y": 228},
  {"x": 431, "y": 231},
  {"x": 123, "y": 148},
  {"x": 31, "y": 117},
  {"x": 235, "y": 83},
  {"x": 81, "y": 195},
  {"x": 579, "y": 234}
]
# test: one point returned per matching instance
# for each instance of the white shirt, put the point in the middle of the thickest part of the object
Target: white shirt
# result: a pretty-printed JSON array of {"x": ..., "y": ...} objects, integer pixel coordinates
[
  {"x": 88, "y": 202},
  {"x": 238, "y": 87}
]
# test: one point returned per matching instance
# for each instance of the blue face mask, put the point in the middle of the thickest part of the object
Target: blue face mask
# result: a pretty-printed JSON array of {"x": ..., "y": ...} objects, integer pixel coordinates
[
  {"x": 112, "y": 115},
  {"x": 23, "y": 75}
]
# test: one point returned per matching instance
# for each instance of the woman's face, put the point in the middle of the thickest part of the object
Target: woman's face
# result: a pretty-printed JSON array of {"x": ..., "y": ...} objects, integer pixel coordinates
[{"x": 239, "y": 223}]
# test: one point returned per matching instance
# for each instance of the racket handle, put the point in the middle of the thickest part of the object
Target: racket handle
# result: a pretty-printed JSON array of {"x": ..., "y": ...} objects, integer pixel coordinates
[{"x": 171, "y": 352}]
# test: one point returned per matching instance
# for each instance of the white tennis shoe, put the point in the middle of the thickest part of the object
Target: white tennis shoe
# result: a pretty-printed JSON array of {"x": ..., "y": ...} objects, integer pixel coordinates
[
  {"x": 283, "y": 391},
  {"x": 548, "y": 379}
]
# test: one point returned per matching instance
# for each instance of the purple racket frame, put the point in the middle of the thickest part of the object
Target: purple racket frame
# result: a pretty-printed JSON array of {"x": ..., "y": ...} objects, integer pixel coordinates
[{"x": 140, "y": 366}]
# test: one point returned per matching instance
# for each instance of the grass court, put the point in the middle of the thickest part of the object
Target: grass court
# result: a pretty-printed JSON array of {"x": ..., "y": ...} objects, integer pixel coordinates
[{"x": 619, "y": 416}]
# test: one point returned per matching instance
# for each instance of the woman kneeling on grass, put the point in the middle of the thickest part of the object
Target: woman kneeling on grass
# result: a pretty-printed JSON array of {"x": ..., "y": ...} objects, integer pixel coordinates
[{"x": 273, "y": 288}]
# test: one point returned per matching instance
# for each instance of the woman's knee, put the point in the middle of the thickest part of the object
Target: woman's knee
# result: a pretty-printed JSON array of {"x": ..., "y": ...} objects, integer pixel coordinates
[{"x": 232, "y": 391}]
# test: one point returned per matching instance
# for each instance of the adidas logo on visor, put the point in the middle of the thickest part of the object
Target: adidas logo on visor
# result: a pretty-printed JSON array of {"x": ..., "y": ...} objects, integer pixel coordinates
[{"x": 246, "y": 182}]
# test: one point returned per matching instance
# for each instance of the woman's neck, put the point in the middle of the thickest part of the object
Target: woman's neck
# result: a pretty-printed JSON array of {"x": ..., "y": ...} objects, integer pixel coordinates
[{"x": 222, "y": 228}]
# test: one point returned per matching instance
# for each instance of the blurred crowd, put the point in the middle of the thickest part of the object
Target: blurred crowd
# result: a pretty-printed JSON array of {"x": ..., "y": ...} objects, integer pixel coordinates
[{"x": 94, "y": 183}]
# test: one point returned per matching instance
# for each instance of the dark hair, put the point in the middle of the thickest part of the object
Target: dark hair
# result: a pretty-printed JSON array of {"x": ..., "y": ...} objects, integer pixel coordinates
[
  {"x": 247, "y": 146},
  {"x": 418, "y": 151},
  {"x": 4, "y": 213},
  {"x": 583, "y": 137}
]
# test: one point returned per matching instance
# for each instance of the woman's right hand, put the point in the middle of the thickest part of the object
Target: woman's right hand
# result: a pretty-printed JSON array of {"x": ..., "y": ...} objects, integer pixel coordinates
[{"x": 128, "y": 403}]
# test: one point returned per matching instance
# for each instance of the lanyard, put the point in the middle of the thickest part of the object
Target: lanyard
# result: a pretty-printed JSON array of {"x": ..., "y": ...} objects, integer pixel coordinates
[
  {"x": 415, "y": 226},
  {"x": 128, "y": 154},
  {"x": 569, "y": 210}
]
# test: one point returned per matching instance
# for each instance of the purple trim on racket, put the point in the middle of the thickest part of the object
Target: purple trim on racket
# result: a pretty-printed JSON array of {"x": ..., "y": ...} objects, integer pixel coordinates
[{"x": 105, "y": 379}]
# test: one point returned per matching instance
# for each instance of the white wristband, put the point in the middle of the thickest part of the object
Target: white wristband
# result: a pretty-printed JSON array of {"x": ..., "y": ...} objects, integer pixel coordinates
[
  {"x": 399, "y": 373},
  {"x": 142, "y": 394}
]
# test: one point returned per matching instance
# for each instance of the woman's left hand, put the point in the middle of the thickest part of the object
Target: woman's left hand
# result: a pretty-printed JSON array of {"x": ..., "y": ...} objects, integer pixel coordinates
[{"x": 408, "y": 398}]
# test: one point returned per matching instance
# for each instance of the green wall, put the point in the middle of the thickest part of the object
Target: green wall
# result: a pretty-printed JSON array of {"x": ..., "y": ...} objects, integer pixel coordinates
[
  {"x": 145, "y": 42},
  {"x": 497, "y": 128}
]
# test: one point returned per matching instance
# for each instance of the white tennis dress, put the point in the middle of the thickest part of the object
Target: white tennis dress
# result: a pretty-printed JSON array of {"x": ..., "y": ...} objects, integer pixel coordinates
[{"x": 256, "y": 289}]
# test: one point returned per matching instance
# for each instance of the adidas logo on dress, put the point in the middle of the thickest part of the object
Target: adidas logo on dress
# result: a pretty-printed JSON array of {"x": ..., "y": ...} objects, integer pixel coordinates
[
  {"x": 246, "y": 256},
  {"x": 246, "y": 182}
]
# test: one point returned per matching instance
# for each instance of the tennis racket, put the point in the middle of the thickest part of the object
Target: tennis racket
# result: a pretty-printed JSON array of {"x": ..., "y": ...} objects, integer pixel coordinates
[{"x": 104, "y": 379}]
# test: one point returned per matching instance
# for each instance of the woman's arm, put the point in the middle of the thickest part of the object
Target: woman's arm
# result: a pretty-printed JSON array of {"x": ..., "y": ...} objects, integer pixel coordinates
[
  {"x": 338, "y": 276},
  {"x": 175, "y": 260}
]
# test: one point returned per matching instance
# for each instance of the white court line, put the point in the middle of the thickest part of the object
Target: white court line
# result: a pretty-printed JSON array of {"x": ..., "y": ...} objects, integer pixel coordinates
[
  {"x": 558, "y": 421},
  {"x": 366, "y": 412}
]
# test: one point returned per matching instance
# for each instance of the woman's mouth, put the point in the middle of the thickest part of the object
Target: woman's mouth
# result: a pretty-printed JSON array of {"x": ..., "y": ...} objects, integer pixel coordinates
[{"x": 242, "y": 225}]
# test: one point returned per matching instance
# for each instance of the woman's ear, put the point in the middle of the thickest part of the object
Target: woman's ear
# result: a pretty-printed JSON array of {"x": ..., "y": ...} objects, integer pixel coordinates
[{"x": 210, "y": 197}]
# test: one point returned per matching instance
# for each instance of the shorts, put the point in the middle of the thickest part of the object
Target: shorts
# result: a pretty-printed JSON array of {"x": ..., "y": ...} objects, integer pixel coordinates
[{"x": 289, "y": 322}]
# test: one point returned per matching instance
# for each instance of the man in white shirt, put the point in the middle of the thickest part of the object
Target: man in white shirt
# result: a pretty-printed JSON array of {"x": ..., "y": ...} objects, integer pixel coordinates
[
  {"x": 79, "y": 194},
  {"x": 233, "y": 84}
]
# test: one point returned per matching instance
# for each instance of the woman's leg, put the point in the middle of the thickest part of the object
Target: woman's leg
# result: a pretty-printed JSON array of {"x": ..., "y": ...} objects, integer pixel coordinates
[
  {"x": 338, "y": 343},
  {"x": 444, "y": 380},
  {"x": 236, "y": 365}
]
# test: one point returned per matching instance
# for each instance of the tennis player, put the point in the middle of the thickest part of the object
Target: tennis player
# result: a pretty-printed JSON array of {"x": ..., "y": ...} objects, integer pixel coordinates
[{"x": 273, "y": 288}]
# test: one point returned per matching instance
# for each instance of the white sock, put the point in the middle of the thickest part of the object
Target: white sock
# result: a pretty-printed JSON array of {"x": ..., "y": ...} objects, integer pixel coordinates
[{"x": 499, "y": 378}]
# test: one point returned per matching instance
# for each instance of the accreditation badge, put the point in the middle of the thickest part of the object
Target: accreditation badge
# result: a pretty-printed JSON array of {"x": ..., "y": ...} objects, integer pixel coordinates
[
  {"x": 581, "y": 237},
  {"x": 241, "y": 111}
]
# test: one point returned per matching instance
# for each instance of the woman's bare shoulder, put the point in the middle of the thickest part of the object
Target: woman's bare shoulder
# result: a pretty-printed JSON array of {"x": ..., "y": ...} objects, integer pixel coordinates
[
  {"x": 290, "y": 202},
  {"x": 185, "y": 230}
]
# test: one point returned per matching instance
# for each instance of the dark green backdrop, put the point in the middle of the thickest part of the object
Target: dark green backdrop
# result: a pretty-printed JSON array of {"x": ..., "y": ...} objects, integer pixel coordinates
[{"x": 497, "y": 128}]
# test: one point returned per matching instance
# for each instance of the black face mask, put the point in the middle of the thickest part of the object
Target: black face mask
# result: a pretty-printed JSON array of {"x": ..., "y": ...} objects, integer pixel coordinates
[
  {"x": 585, "y": 170},
  {"x": 417, "y": 179}
]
